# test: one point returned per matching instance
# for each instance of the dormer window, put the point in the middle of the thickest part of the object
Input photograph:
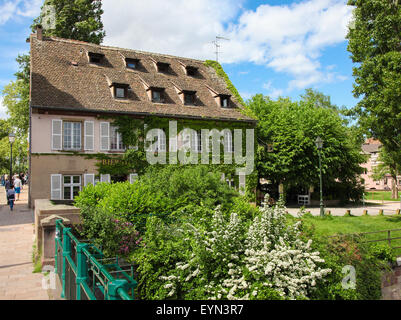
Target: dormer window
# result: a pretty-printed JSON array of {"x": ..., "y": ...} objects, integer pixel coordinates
[
  {"x": 191, "y": 71},
  {"x": 225, "y": 101},
  {"x": 163, "y": 67},
  {"x": 132, "y": 63},
  {"x": 120, "y": 90},
  {"x": 157, "y": 95},
  {"x": 95, "y": 58},
  {"x": 189, "y": 97}
]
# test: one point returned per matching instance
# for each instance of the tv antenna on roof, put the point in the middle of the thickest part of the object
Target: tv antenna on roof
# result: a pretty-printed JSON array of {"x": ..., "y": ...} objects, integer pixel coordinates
[{"x": 217, "y": 45}]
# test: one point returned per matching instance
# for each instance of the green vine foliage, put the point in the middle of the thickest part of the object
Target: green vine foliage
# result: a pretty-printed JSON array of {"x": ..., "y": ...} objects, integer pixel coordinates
[
  {"x": 221, "y": 73},
  {"x": 133, "y": 132}
]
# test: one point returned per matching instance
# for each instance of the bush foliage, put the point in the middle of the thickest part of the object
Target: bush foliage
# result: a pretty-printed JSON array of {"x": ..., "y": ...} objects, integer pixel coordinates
[{"x": 190, "y": 236}]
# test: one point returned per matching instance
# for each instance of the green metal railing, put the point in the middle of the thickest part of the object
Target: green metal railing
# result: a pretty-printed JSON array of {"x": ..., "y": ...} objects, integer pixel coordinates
[{"x": 85, "y": 273}]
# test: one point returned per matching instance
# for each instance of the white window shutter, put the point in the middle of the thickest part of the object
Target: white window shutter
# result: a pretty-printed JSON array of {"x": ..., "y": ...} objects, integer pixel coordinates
[
  {"x": 89, "y": 178},
  {"x": 89, "y": 135},
  {"x": 55, "y": 186},
  {"x": 104, "y": 136},
  {"x": 223, "y": 177},
  {"x": 133, "y": 177},
  {"x": 105, "y": 178},
  {"x": 57, "y": 126}
]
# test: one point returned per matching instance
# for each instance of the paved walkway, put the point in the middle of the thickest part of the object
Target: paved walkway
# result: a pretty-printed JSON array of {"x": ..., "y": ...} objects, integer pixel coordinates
[
  {"x": 17, "y": 282},
  {"x": 373, "y": 207}
]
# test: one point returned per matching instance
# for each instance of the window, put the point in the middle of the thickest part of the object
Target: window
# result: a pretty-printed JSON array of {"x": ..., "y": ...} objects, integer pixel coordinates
[
  {"x": 230, "y": 183},
  {"x": 131, "y": 63},
  {"x": 95, "y": 58},
  {"x": 158, "y": 95},
  {"x": 228, "y": 141},
  {"x": 120, "y": 91},
  {"x": 225, "y": 101},
  {"x": 71, "y": 186},
  {"x": 163, "y": 67},
  {"x": 189, "y": 98},
  {"x": 116, "y": 141},
  {"x": 196, "y": 141},
  {"x": 191, "y": 71},
  {"x": 72, "y": 135},
  {"x": 160, "y": 143}
]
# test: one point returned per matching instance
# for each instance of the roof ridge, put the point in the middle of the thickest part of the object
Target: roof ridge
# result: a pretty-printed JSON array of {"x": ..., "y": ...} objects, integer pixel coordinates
[{"x": 114, "y": 48}]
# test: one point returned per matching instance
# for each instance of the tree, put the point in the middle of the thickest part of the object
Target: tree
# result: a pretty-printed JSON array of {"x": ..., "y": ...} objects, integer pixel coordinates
[
  {"x": 291, "y": 128},
  {"x": 74, "y": 19},
  {"x": 375, "y": 45},
  {"x": 16, "y": 96},
  {"x": 79, "y": 20},
  {"x": 388, "y": 164}
]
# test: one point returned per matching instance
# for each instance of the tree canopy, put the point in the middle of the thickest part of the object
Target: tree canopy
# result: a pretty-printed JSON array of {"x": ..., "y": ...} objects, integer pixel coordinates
[
  {"x": 79, "y": 20},
  {"x": 291, "y": 128},
  {"x": 76, "y": 19},
  {"x": 375, "y": 45}
]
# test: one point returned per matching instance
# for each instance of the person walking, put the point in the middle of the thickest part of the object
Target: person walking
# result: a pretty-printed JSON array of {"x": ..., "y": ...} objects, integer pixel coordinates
[
  {"x": 11, "y": 197},
  {"x": 7, "y": 185},
  {"x": 17, "y": 187}
]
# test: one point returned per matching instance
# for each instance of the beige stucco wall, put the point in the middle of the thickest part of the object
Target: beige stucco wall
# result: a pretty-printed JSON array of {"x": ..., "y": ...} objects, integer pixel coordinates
[
  {"x": 42, "y": 167},
  {"x": 42, "y": 131}
]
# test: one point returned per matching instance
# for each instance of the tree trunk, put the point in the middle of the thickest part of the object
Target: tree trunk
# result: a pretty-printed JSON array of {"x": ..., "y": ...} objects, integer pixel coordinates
[{"x": 394, "y": 188}]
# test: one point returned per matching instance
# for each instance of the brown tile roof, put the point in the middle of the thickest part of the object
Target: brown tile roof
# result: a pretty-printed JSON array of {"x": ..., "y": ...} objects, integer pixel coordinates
[
  {"x": 370, "y": 148},
  {"x": 58, "y": 84}
]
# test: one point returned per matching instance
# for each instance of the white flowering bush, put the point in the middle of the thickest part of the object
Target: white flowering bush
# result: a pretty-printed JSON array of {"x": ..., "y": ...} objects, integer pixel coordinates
[{"x": 229, "y": 260}]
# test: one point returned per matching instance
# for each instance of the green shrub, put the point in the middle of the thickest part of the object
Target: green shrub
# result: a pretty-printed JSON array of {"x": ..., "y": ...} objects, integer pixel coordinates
[
  {"x": 167, "y": 192},
  {"x": 343, "y": 251}
]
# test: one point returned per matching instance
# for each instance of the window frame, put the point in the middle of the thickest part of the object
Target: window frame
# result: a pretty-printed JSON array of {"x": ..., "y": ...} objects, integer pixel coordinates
[
  {"x": 223, "y": 98},
  {"x": 131, "y": 61},
  {"x": 191, "y": 71},
  {"x": 120, "y": 86},
  {"x": 72, "y": 135},
  {"x": 71, "y": 185},
  {"x": 98, "y": 56},
  {"x": 119, "y": 139},
  {"x": 163, "y": 67},
  {"x": 161, "y": 92},
  {"x": 191, "y": 94}
]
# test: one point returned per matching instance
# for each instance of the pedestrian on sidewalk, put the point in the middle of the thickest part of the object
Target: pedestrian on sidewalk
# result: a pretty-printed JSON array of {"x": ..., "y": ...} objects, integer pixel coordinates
[
  {"x": 7, "y": 185},
  {"x": 17, "y": 186},
  {"x": 11, "y": 197}
]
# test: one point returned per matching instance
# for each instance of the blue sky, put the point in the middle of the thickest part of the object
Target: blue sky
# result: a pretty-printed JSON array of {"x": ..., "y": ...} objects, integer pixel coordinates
[{"x": 276, "y": 47}]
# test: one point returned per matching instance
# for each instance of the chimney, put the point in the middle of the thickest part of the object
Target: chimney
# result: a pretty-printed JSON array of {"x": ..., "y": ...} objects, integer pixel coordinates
[{"x": 39, "y": 32}]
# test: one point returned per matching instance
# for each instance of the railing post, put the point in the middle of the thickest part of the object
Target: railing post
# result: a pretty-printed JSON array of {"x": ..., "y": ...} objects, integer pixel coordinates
[
  {"x": 113, "y": 287},
  {"x": 56, "y": 240},
  {"x": 82, "y": 268},
  {"x": 389, "y": 237},
  {"x": 66, "y": 253}
]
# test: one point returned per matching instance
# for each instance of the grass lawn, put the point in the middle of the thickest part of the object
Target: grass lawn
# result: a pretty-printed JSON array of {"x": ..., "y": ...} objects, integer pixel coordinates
[
  {"x": 355, "y": 224},
  {"x": 379, "y": 195}
]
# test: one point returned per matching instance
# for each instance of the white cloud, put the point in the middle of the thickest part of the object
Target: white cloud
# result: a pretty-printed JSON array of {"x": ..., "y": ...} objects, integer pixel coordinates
[
  {"x": 179, "y": 27},
  {"x": 272, "y": 92},
  {"x": 19, "y": 8},
  {"x": 291, "y": 39},
  {"x": 3, "y": 110},
  {"x": 286, "y": 38}
]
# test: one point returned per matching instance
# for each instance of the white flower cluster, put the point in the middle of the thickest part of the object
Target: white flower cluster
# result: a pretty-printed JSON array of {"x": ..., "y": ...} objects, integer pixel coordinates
[{"x": 228, "y": 259}]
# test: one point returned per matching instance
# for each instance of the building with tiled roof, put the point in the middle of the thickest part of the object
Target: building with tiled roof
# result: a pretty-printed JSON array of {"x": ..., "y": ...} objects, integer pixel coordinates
[
  {"x": 76, "y": 86},
  {"x": 371, "y": 148}
]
